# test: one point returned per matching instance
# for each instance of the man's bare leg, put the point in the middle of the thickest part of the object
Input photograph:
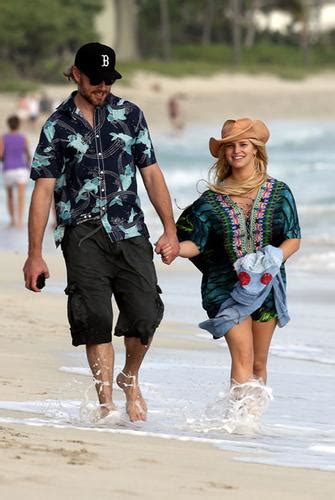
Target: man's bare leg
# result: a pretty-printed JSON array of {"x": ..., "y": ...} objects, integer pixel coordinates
[
  {"x": 101, "y": 360},
  {"x": 127, "y": 379}
]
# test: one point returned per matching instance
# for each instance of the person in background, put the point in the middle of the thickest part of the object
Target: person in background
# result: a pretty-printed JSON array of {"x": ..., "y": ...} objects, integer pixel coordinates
[
  {"x": 15, "y": 155},
  {"x": 174, "y": 113},
  {"x": 239, "y": 233},
  {"x": 89, "y": 152}
]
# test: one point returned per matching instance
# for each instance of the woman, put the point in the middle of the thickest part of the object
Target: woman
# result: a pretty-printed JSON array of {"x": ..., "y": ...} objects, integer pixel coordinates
[
  {"x": 14, "y": 152},
  {"x": 245, "y": 224}
]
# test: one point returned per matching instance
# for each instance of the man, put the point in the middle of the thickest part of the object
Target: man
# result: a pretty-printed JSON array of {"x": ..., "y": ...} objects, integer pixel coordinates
[{"x": 86, "y": 158}]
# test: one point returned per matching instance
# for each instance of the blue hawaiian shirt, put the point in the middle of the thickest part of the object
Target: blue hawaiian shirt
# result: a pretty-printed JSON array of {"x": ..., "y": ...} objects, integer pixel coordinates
[{"x": 95, "y": 167}]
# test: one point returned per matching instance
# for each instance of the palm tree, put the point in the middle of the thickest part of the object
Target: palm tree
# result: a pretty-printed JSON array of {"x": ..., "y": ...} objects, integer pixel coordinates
[
  {"x": 208, "y": 18},
  {"x": 235, "y": 14},
  {"x": 126, "y": 24},
  {"x": 165, "y": 29}
]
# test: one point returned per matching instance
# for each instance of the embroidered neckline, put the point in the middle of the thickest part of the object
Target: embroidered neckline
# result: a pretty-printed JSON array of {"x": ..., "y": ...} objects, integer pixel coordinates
[{"x": 247, "y": 231}]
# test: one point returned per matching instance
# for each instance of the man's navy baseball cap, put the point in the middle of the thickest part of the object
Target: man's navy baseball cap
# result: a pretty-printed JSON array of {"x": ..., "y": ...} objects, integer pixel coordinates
[{"x": 97, "y": 62}]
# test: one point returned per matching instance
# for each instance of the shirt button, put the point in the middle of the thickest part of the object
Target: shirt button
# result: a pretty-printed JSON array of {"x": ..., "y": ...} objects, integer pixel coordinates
[
  {"x": 99, "y": 154},
  {"x": 102, "y": 190},
  {"x": 101, "y": 173},
  {"x": 97, "y": 136}
]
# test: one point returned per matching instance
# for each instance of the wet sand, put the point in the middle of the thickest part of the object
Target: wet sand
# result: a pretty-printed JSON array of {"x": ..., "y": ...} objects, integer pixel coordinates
[{"x": 70, "y": 463}]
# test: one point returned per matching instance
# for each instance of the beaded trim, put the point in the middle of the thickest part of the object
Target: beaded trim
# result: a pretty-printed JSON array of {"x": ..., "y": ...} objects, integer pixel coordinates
[{"x": 248, "y": 234}]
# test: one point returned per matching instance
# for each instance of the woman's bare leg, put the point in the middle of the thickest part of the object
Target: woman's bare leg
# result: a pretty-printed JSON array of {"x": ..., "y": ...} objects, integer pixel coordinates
[
  {"x": 240, "y": 343},
  {"x": 262, "y": 335}
]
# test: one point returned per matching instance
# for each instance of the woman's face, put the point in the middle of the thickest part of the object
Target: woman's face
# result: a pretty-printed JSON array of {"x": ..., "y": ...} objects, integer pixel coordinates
[{"x": 240, "y": 154}]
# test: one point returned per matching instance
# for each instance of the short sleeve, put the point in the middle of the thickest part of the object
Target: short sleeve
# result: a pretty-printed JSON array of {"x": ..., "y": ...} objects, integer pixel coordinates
[
  {"x": 193, "y": 225},
  {"x": 143, "y": 151},
  {"x": 290, "y": 214},
  {"x": 47, "y": 162}
]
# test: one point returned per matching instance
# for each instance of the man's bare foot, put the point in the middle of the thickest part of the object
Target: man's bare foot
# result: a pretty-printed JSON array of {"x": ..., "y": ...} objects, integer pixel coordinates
[
  {"x": 106, "y": 409},
  {"x": 136, "y": 406}
]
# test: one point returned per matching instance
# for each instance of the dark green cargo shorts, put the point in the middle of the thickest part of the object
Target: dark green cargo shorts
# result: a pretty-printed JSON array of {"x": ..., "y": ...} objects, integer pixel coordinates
[{"x": 97, "y": 269}]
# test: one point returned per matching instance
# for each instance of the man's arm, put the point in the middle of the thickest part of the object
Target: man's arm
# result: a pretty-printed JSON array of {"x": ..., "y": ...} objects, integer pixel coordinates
[
  {"x": 158, "y": 193},
  {"x": 38, "y": 217}
]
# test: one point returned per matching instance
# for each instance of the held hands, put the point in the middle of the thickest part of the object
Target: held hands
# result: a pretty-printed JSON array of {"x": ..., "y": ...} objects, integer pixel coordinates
[
  {"x": 186, "y": 249},
  {"x": 33, "y": 268},
  {"x": 168, "y": 248}
]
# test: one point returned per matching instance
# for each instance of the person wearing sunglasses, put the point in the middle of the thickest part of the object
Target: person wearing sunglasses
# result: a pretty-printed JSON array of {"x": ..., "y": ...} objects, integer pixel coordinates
[{"x": 89, "y": 152}]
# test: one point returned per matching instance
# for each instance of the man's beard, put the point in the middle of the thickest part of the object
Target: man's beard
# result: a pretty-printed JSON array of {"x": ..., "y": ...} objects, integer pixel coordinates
[{"x": 90, "y": 99}]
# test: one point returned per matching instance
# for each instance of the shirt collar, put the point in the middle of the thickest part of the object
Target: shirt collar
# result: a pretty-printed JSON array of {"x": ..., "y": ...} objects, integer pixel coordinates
[{"x": 68, "y": 106}]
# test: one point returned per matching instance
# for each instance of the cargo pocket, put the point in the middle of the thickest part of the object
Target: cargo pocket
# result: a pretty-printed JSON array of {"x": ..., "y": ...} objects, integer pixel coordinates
[
  {"x": 159, "y": 305},
  {"x": 76, "y": 310}
]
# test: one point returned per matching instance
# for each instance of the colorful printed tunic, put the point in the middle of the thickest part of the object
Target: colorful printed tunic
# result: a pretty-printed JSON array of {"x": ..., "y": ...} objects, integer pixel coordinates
[
  {"x": 218, "y": 227},
  {"x": 95, "y": 167}
]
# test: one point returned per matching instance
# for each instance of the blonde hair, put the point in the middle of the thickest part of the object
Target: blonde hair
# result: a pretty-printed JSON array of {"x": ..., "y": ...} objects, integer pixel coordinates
[{"x": 221, "y": 170}]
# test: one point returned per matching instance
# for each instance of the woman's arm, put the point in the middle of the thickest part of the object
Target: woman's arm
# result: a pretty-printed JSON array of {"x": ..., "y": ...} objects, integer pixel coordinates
[
  {"x": 289, "y": 247},
  {"x": 187, "y": 249}
]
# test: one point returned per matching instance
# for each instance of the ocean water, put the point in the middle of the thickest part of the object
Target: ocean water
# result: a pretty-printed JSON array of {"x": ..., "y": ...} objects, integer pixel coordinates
[{"x": 182, "y": 386}]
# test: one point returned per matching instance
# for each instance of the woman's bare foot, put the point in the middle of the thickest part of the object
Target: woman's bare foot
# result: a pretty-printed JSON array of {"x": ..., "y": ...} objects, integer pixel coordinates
[{"x": 136, "y": 405}]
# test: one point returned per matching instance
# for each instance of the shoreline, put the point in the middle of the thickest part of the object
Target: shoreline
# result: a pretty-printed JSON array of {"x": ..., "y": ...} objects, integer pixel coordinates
[
  {"x": 211, "y": 100},
  {"x": 35, "y": 343},
  {"x": 160, "y": 466}
]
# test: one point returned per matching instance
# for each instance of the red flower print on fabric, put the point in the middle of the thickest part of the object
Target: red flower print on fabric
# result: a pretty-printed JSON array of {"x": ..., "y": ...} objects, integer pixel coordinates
[
  {"x": 266, "y": 278},
  {"x": 244, "y": 278}
]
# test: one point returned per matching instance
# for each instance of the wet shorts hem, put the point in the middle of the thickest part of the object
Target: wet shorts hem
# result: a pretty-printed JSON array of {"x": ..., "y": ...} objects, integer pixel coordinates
[{"x": 90, "y": 337}]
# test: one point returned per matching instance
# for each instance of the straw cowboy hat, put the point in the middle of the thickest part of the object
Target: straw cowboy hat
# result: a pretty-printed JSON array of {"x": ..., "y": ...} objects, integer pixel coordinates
[{"x": 242, "y": 128}]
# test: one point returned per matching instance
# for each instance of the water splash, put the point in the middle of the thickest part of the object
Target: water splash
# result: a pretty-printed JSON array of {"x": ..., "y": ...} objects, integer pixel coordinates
[{"x": 238, "y": 410}]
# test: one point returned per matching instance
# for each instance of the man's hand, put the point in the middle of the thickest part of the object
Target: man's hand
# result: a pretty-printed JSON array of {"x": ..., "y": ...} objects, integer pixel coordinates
[
  {"x": 32, "y": 268},
  {"x": 167, "y": 247}
]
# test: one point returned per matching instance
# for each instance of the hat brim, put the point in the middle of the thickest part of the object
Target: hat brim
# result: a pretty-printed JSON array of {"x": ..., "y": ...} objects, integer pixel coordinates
[
  {"x": 109, "y": 75},
  {"x": 117, "y": 75},
  {"x": 215, "y": 144}
]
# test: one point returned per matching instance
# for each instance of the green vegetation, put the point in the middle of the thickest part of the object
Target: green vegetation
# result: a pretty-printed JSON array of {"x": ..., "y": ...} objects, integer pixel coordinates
[
  {"x": 285, "y": 61},
  {"x": 38, "y": 39}
]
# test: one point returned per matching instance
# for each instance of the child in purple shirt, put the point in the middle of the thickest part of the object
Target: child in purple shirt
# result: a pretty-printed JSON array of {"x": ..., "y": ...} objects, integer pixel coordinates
[{"x": 15, "y": 155}]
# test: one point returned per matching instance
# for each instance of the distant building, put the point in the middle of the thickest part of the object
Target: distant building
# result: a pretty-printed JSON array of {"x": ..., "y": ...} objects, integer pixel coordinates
[
  {"x": 322, "y": 19},
  {"x": 275, "y": 21},
  {"x": 326, "y": 20}
]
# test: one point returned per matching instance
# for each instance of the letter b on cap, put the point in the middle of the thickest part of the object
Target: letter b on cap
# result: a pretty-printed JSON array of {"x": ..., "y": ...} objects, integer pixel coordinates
[{"x": 105, "y": 60}]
